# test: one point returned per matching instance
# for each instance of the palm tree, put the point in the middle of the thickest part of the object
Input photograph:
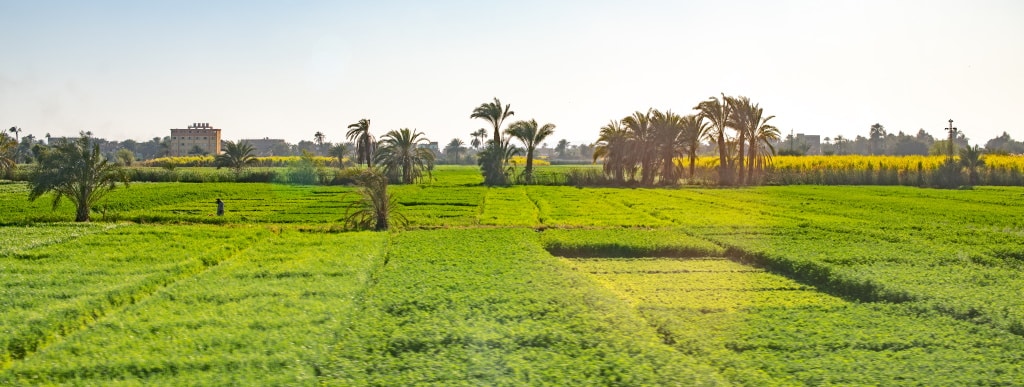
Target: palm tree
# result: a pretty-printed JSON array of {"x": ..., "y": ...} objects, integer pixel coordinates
[
  {"x": 402, "y": 156},
  {"x": 613, "y": 147},
  {"x": 877, "y": 133},
  {"x": 494, "y": 160},
  {"x": 694, "y": 130},
  {"x": 7, "y": 147},
  {"x": 236, "y": 156},
  {"x": 493, "y": 112},
  {"x": 972, "y": 159},
  {"x": 668, "y": 128},
  {"x": 640, "y": 130},
  {"x": 338, "y": 151},
  {"x": 530, "y": 135},
  {"x": 359, "y": 133},
  {"x": 17, "y": 142},
  {"x": 761, "y": 149},
  {"x": 318, "y": 138},
  {"x": 78, "y": 171},
  {"x": 717, "y": 113},
  {"x": 454, "y": 147},
  {"x": 479, "y": 136},
  {"x": 561, "y": 148},
  {"x": 840, "y": 144},
  {"x": 754, "y": 128},
  {"x": 376, "y": 206}
]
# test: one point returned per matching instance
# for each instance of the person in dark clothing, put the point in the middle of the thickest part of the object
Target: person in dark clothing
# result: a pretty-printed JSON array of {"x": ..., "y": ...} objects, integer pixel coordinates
[{"x": 220, "y": 207}]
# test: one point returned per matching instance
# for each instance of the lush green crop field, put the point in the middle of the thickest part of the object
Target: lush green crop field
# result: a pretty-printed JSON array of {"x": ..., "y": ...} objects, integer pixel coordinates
[{"x": 754, "y": 286}]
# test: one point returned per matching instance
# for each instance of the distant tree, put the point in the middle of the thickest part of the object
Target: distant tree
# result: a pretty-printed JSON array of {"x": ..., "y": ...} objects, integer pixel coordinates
[
  {"x": 402, "y": 157},
  {"x": 236, "y": 156},
  {"x": 125, "y": 157},
  {"x": 7, "y": 146},
  {"x": 668, "y": 144},
  {"x": 530, "y": 134},
  {"x": 562, "y": 148},
  {"x": 493, "y": 113},
  {"x": 972, "y": 159},
  {"x": 479, "y": 137},
  {"x": 876, "y": 134},
  {"x": 455, "y": 147},
  {"x": 359, "y": 133},
  {"x": 75, "y": 170},
  {"x": 339, "y": 152},
  {"x": 318, "y": 138}
]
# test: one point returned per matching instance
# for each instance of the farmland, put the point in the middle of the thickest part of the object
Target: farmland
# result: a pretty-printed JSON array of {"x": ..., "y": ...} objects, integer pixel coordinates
[{"x": 791, "y": 285}]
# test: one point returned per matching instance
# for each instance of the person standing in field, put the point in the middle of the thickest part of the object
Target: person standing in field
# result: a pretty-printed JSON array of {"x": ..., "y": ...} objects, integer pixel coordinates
[{"x": 220, "y": 207}]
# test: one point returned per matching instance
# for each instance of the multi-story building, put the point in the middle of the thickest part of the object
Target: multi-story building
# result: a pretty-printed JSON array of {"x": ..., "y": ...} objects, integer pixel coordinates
[
  {"x": 198, "y": 137},
  {"x": 267, "y": 146}
]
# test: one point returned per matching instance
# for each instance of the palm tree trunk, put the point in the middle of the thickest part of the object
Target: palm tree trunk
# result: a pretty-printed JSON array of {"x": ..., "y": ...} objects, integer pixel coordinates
[
  {"x": 693, "y": 163},
  {"x": 741, "y": 141},
  {"x": 750, "y": 159},
  {"x": 723, "y": 172},
  {"x": 528, "y": 172}
]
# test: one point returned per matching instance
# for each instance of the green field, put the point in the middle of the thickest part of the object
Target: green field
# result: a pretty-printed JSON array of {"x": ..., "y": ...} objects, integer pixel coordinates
[{"x": 521, "y": 285}]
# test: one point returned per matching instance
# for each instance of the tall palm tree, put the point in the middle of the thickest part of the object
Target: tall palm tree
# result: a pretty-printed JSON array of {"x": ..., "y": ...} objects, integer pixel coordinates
[
  {"x": 972, "y": 159},
  {"x": 753, "y": 127},
  {"x": 694, "y": 130},
  {"x": 530, "y": 135},
  {"x": 403, "y": 158},
  {"x": 643, "y": 144},
  {"x": 479, "y": 136},
  {"x": 493, "y": 113},
  {"x": 613, "y": 147},
  {"x": 717, "y": 113},
  {"x": 668, "y": 129},
  {"x": 318, "y": 138},
  {"x": 236, "y": 156},
  {"x": 7, "y": 147},
  {"x": 17, "y": 142},
  {"x": 455, "y": 147},
  {"x": 742, "y": 121},
  {"x": 762, "y": 136},
  {"x": 78, "y": 171},
  {"x": 359, "y": 133}
]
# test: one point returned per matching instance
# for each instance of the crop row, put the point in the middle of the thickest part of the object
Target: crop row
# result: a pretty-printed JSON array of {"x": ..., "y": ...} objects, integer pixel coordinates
[
  {"x": 54, "y": 290},
  {"x": 763, "y": 329},
  {"x": 268, "y": 316},
  {"x": 489, "y": 306}
]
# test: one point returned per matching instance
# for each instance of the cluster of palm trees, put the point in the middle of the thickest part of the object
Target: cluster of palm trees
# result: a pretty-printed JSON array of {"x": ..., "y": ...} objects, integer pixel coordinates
[
  {"x": 400, "y": 153},
  {"x": 494, "y": 160},
  {"x": 643, "y": 147}
]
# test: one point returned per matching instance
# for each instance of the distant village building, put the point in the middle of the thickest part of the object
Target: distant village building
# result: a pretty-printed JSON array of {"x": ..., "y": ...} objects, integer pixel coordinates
[
  {"x": 433, "y": 146},
  {"x": 199, "y": 136},
  {"x": 265, "y": 146}
]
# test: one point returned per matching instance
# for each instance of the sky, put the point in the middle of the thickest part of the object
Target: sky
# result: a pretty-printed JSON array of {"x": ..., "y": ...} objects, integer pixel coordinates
[{"x": 287, "y": 69}]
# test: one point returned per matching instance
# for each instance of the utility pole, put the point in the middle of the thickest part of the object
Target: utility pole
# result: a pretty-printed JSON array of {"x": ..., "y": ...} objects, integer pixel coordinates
[{"x": 952, "y": 135}]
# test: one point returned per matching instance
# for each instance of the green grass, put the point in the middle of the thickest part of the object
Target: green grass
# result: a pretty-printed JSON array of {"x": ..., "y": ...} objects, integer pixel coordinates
[{"x": 783, "y": 285}]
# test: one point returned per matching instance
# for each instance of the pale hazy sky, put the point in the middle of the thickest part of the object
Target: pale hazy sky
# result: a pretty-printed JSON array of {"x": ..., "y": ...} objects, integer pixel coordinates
[{"x": 286, "y": 69}]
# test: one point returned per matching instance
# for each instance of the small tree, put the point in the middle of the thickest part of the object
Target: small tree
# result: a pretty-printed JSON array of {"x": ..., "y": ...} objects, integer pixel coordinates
[
  {"x": 972, "y": 159},
  {"x": 76, "y": 170},
  {"x": 375, "y": 207},
  {"x": 236, "y": 156}
]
